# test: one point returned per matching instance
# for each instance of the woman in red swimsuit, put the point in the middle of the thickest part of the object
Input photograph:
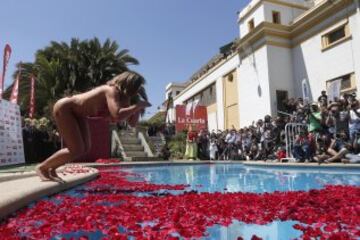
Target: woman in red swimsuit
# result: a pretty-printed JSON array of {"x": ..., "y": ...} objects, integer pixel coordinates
[{"x": 111, "y": 101}]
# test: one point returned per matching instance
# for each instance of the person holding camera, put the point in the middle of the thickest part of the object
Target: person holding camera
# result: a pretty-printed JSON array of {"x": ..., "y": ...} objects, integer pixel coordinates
[
  {"x": 323, "y": 99},
  {"x": 301, "y": 149},
  {"x": 315, "y": 118},
  {"x": 338, "y": 119}
]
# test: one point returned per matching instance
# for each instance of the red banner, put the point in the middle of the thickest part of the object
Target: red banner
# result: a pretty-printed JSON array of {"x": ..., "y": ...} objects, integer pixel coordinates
[
  {"x": 32, "y": 97},
  {"x": 197, "y": 118},
  {"x": 15, "y": 89},
  {"x": 7, "y": 54}
]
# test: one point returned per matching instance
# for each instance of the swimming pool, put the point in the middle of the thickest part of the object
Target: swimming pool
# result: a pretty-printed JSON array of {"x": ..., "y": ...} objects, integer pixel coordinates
[
  {"x": 241, "y": 178},
  {"x": 205, "y": 201}
]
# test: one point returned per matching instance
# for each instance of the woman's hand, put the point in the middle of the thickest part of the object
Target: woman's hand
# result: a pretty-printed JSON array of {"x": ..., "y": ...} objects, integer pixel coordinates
[{"x": 127, "y": 112}]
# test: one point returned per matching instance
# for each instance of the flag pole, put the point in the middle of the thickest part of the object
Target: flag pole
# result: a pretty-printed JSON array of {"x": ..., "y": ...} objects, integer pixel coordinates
[
  {"x": 6, "y": 58},
  {"x": 15, "y": 90}
]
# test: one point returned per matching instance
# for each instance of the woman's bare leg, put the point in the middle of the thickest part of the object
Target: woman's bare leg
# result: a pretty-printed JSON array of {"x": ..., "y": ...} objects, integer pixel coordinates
[
  {"x": 338, "y": 156},
  {"x": 45, "y": 169},
  {"x": 85, "y": 133},
  {"x": 69, "y": 129}
]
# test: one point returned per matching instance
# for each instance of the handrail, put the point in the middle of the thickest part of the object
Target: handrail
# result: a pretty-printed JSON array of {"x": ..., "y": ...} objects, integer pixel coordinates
[
  {"x": 115, "y": 142},
  {"x": 145, "y": 144}
]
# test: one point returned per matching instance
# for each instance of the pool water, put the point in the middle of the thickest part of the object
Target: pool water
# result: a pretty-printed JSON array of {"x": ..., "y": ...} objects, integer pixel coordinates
[
  {"x": 206, "y": 178},
  {"x": 241, "y": 178}
]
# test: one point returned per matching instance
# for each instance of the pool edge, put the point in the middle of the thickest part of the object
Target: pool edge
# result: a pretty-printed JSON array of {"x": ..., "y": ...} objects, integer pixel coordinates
[
  {"x": 302, "y": 165},
  {"x": 246, "y": 163},
  {"x": 19, "y": 193}
]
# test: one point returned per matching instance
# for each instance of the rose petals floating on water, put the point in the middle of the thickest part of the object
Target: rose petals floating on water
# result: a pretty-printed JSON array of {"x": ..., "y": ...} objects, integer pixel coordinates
[
  {"x": 107, "y": 161},
  {"x": 75, "y": 169},
  {"x": 119, "y": 211}
]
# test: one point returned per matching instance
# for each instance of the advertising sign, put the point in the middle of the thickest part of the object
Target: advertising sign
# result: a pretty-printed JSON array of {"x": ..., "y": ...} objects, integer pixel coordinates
[
  {"x": 197, "y": 117},
  {"x": 11, "y": 141}
]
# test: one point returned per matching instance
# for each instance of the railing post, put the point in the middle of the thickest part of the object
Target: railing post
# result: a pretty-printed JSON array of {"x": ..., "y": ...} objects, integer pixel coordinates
[{"x": 291, "y": 130}]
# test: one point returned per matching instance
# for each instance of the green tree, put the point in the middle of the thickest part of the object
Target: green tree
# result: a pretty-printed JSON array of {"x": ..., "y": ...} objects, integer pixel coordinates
[{"x": 63, "y": 69}]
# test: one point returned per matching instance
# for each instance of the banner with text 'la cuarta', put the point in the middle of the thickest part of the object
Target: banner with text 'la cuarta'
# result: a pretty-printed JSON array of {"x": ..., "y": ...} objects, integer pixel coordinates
[{"x": 197, "y": 118}]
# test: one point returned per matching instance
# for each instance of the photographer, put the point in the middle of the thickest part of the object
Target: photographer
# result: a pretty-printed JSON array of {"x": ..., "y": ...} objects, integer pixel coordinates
[
  {"x": 300, "y": 115},
  {"x": 338, "y": 119},
  {"x": 323, "y": 98},
  {"x": 315, "y": 118},
  {"x": 301, "y": 149}
]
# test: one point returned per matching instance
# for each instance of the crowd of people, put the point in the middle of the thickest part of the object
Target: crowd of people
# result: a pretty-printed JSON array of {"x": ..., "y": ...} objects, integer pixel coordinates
[
  {"x": 40, "y": 139},
  {"x": 330, "y": 133}
]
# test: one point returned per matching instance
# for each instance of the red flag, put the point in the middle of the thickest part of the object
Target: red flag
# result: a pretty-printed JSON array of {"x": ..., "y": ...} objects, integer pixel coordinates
[
  {"x": 7, "y": 54},
  {"x": 15, "y": 89},
  {"x": 32, "y": 97}
]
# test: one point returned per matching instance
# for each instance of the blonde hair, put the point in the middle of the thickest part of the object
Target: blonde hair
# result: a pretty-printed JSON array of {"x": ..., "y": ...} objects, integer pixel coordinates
[{"x": 128, "y": 83}]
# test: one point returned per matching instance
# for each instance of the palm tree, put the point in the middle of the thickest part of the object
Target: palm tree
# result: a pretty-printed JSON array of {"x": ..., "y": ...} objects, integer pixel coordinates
[{"x": 63, "y": 69}]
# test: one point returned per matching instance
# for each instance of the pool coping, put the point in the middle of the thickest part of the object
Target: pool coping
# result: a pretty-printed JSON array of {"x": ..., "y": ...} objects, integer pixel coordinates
[
  {"x": 18, "y": 193},
  {"x": 8, "y": 176},
  {"x": 155, "y": 163},
  {"x": 302, "y": 165},
  {"x": 246, "y": 163}
]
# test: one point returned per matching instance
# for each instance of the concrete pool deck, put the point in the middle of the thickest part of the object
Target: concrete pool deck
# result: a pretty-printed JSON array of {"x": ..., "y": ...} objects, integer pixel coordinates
[{"x": 20, "y": 188}]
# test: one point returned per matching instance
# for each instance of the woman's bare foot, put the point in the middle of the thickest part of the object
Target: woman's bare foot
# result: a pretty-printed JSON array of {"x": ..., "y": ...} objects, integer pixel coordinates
[
  {"x": 54, "y": 176},
  {"x": 43, "y": 173}
]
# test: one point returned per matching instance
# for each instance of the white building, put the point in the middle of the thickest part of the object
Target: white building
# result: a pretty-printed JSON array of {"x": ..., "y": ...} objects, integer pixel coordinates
[
  {"x": 172, "y": 90},
  {"x": 284, "y": 47}
]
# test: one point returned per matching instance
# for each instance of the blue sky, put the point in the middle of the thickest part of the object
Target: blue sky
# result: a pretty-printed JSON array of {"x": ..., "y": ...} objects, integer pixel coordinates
[{"x": 172, "y": 39}]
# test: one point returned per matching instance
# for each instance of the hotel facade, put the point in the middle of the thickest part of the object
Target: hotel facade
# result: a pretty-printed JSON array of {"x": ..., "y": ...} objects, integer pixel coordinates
[{"x": 286, "y": 48}]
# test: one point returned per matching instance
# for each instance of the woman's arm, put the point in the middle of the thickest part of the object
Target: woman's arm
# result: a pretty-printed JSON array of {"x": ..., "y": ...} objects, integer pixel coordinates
[
  {"x": 113, "y": 102},
  {"x": 127, "y": 112},
  {"x": 121, "y": 110}
]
